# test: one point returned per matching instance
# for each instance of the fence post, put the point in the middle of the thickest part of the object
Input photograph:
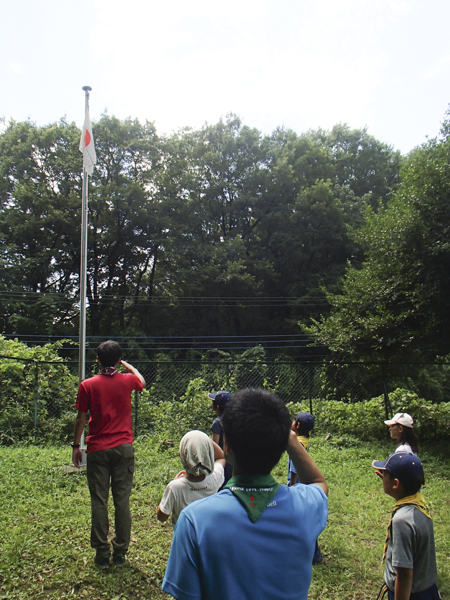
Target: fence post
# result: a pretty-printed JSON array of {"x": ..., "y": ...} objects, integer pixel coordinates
[
  {"x": 387, "y": 404},
  {"x": 136, "y": 410},
  {"x": 227, "y": 375},
  {"x": 310, "y": 388},
  {"x": 35, "y": 396}
]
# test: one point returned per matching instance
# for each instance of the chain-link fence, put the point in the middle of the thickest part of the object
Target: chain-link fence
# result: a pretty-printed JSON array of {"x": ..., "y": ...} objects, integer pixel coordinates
[{"x": 39, "y": 395}]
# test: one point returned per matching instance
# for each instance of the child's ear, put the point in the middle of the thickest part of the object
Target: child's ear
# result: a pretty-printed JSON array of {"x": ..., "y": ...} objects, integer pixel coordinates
[{"x": 396, "y": 484}]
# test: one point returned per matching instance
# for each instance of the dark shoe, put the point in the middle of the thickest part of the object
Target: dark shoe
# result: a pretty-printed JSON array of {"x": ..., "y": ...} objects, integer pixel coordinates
[
  {"x": 102, "y": 562},
  {"x": 119, "y": 559}
]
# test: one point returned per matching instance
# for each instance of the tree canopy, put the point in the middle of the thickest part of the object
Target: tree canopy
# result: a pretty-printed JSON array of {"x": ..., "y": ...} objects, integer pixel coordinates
[
  {"x": 216, "y": 231},
  {"x": 397, "y": 303}
]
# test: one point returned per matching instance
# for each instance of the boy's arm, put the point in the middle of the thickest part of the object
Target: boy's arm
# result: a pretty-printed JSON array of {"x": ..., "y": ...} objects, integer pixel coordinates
[
  {"x": 293, "y": 479},
  {"x": 307, "y": 470},
  {"x": 215, "y": 437},
  {"x": 161, "y": 515},
  {"x": 219, "y": 456},
  {"x": 80, "y": 422},
  {"x": 133, "y": 370},
  {"x": 167, "y": 501},
  {"x": 403, "y": 583}
]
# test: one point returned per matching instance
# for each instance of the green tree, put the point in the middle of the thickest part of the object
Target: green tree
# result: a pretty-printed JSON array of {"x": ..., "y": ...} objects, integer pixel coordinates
[
  {"x": 216, "y": 231},
  {"x": 39, "y": 195},
  {"x": 367, "y": 166},
  {"x": 398, "y": 303},
  {"x": 125, "y": 228}
]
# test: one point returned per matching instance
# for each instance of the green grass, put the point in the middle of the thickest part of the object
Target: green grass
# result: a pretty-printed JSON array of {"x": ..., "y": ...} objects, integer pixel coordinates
[{"x": 44, "y": 523}]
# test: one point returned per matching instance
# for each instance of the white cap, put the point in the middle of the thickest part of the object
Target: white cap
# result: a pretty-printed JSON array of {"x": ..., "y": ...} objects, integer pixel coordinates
[{"x": 401, "y": 419}]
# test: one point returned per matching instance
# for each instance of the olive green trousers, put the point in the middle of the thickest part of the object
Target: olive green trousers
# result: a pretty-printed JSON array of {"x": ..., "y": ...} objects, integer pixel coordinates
[{"x": 113, "y": 467}]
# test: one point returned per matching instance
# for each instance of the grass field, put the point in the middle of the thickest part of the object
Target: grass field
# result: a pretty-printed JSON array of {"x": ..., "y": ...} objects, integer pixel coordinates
[{"x": 44, "y": 523}]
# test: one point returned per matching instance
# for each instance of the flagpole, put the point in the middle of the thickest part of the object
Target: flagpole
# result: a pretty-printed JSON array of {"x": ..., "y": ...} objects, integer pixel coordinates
[
  {"x": 83, "y": 272},
  {"x": 83, "y": 262}
]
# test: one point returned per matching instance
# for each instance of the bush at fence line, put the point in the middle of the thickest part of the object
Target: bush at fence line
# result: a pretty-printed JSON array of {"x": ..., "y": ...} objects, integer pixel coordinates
[
  {"x": 26, "y": 378},
  {"x": 431, "y": 421},
  {"x": 365, "y": 420},
  {"x": 171, "y": 420}
]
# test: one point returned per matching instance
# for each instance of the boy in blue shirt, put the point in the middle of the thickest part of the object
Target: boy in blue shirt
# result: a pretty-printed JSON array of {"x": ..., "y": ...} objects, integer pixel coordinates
[{"x": 269, "y": 530}]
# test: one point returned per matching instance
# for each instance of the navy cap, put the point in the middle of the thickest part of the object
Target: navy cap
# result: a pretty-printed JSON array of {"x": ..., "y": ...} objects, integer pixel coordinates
[
  {"x": 306, "y": 419},
  {"x": 220, "y": 398},
  {"x": 405, "y": 467}
]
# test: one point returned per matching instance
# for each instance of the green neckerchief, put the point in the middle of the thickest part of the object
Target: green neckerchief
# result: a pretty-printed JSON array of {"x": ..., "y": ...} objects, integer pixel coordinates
[{"x": 254, "y": 492}]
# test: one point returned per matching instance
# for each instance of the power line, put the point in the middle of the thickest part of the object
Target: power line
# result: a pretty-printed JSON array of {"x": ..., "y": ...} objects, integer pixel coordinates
[{"x": 174, "y": 301}]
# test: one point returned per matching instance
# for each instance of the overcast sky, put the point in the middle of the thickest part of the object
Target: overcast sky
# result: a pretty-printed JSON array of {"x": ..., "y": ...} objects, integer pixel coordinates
[{"x": 380, "y": 64}]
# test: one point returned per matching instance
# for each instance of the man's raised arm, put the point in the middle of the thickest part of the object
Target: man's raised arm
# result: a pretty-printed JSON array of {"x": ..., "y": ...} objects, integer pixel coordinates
[{"x": 133, "y": 370}]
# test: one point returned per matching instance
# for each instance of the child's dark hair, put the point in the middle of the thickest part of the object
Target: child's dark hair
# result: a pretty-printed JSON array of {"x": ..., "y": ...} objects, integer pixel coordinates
[
  {"x": 409, "y": 437},
  {"x": 109, "y": 353},
  {"x": 256, "y": 424},
  {"x": 303, "y": 429},
  {"x": 411, "y": 487},
  {"x": 219, "y": 406}
]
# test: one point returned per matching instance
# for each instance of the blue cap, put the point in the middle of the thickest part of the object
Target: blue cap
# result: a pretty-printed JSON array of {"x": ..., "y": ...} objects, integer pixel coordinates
[
  {"x": 407, "y": 468},
  {"x": 306, "y": 419},
  {"x": 220, "y": 398}
]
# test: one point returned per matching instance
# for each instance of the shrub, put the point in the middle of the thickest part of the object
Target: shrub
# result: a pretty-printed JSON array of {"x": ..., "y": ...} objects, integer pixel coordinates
[
  {"x": 32, "y": 378},
  {"x": 365, "y": 420},
  {"x": 173, "y": 419}
]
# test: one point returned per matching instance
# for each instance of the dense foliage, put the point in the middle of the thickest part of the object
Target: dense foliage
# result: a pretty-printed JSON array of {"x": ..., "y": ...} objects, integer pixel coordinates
[
  {"x": 36, "y": 394},
  {"x": 219, "y": 231},
  {"x": 397, "y": 304},
  {"x": 361, "y": 420}
]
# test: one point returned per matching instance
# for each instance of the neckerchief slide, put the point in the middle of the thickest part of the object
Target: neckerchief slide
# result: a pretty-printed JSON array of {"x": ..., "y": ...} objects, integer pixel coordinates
[
  {"x": 417, "y": 500},
  {"x": 109, "y": 371},
  {"x": 254, "y": 492}
]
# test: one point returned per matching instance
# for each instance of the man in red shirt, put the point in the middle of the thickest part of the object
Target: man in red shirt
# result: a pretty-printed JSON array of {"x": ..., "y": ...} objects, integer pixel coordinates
[{"x": 110, "y": 453}]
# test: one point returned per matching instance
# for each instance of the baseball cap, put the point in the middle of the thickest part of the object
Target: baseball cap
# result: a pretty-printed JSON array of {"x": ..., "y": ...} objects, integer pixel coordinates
[
  {"x": 220, "y": 398},
  {"x": 400, "y": 419},
  {"x": 407, "y": 468},
  {"x": 306, "y": 419}
]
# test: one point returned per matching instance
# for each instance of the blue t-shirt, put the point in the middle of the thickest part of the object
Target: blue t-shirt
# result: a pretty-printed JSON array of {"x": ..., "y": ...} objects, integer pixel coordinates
[
  {"x": 244, "y": 559},
  {"x": 216, "y": 427}
]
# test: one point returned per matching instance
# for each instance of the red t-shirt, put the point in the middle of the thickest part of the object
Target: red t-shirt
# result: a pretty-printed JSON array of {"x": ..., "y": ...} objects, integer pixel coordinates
[{"x": 108, "y": 400}]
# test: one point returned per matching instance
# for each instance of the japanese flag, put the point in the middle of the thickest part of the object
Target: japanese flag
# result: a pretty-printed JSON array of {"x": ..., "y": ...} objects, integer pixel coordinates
[{"x": 87, "y": 145}]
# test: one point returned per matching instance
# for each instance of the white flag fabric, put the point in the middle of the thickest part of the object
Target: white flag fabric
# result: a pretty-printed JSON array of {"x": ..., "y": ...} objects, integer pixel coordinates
[{"x": 87, "y": 145}]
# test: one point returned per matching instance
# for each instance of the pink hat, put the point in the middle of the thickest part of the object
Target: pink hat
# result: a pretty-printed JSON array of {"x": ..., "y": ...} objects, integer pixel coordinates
[{"x": 401, "y": 419}]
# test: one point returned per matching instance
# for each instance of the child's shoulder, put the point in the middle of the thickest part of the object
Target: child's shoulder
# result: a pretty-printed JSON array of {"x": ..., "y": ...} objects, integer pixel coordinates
[
  {"x": 216, "y": 425},
  {"x": 412, "y": 518},
  {"x": 178, "y": 483}
]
